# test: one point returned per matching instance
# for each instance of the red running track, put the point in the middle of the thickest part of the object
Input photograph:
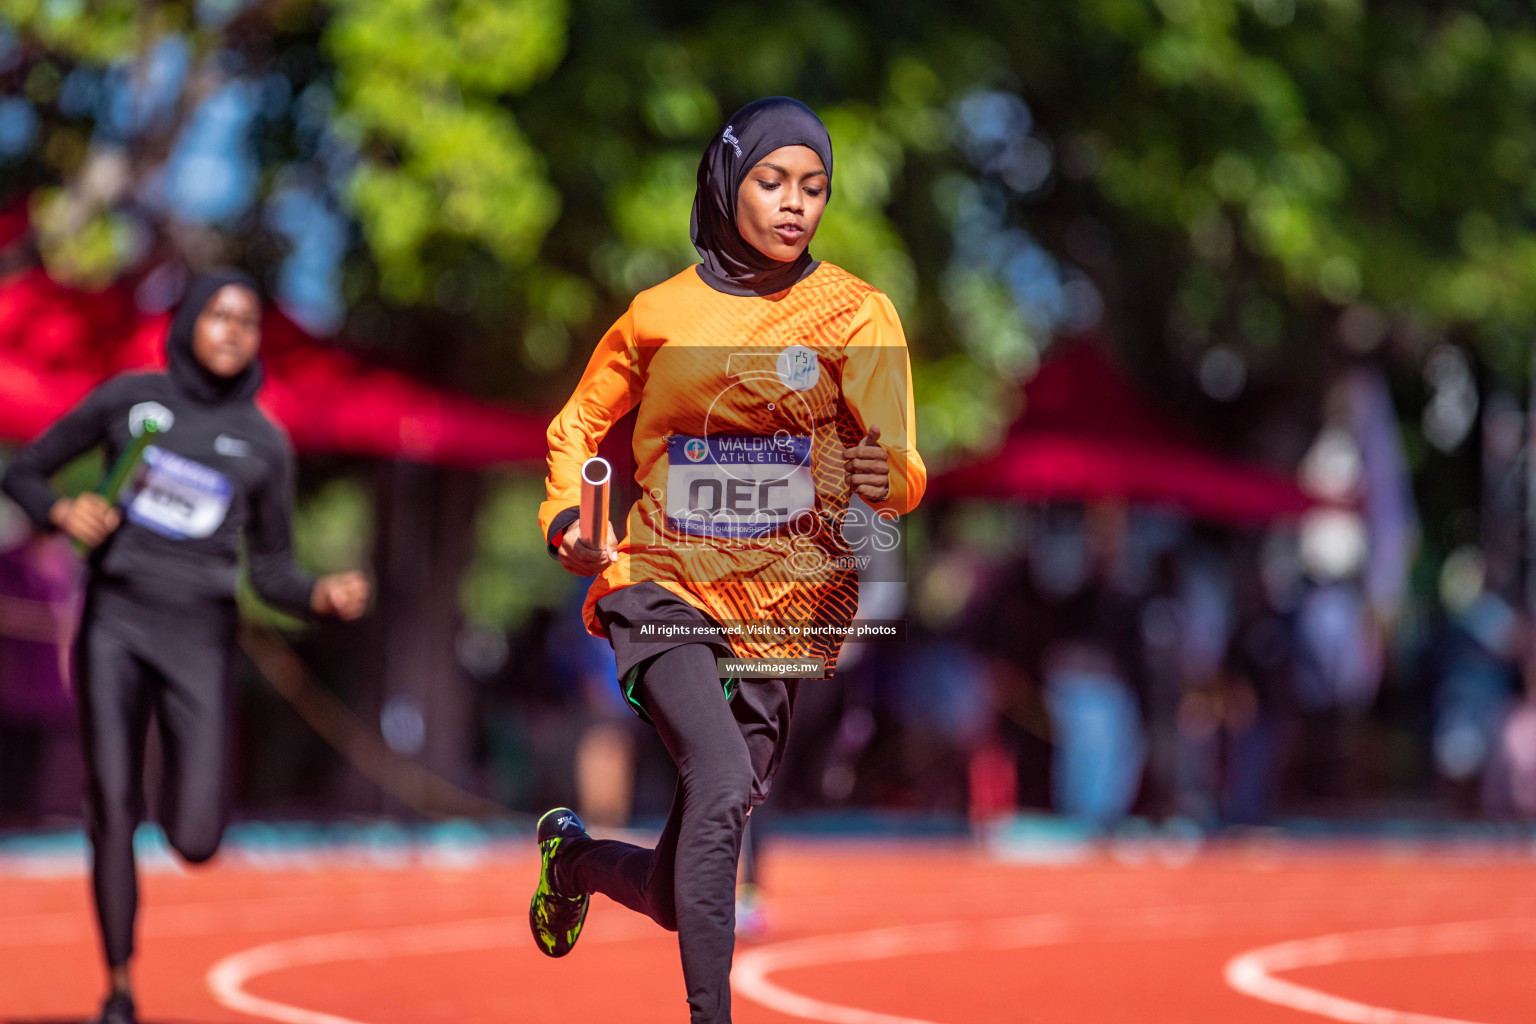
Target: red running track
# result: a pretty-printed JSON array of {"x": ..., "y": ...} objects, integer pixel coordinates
[{"x": 859, "y": 934}]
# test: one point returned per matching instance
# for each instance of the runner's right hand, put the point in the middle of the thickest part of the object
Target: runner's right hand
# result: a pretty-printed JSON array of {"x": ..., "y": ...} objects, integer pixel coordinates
[
  {"x": 581, "y": 558},
  {"x": 88, "y": 518}
]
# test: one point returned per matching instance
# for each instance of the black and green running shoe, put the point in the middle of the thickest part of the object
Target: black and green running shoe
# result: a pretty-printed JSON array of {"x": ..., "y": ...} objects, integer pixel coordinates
[{"x": 556, "y": 920}]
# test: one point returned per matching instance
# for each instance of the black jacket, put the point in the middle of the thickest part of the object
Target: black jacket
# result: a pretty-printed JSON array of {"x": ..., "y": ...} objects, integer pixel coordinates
[{"x": 215, "y": 472}]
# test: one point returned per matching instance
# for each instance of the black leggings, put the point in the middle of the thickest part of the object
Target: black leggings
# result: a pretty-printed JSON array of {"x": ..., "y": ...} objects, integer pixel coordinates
[
  {"x": 726, "y": 754},
  {"x": 131, "y": 658}
]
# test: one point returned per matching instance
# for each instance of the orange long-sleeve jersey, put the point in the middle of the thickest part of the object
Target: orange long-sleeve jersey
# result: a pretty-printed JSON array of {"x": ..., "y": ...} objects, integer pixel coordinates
[{"x": 744, "y": 406}]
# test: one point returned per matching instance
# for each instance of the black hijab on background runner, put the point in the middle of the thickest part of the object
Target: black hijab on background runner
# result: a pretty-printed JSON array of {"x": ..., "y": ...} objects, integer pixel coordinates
[
  {"x": 191, "y": 377},
  {"x": 731, "y": 263}
]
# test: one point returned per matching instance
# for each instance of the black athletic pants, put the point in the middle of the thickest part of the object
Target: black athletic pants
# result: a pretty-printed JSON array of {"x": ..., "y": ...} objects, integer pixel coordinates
[
  {"x": 132, "y": 657},
  {"x": 726, "y": 754}
]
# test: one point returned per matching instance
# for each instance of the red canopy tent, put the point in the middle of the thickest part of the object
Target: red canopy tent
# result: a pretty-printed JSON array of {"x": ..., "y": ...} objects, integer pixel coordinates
[
  {"x": 1087, "y": 435},
  {"x": 57, "y": 343}
]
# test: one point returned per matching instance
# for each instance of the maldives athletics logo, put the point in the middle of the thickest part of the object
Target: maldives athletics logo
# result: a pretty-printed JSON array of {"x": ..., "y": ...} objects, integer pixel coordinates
[{"x": 696, "y": 450}]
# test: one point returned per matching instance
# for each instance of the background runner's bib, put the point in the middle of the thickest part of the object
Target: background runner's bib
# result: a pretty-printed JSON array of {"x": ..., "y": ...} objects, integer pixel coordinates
[
  {"x": 737, "y": 485},
  {"x": 177, "y": 497}
]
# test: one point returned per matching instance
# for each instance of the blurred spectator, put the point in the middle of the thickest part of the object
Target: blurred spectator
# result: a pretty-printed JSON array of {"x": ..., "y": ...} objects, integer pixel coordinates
[
  {"x": 1509, "y": 787},
  {"x": 1099, "y": 742},
  {"x": 1100, "y": 746},
  {"x": 1479, "y": 670},
  {"x": 1339, "y": 650},
  {"x": 937, "y": 688},
  {"x": 1233, "y": 717},
  {"x": 1259, "y": 703},
  {"x": 1161, "y": 623},
  {"x": 942, "y": 700},
  {"x": 1203, "y": 658}
]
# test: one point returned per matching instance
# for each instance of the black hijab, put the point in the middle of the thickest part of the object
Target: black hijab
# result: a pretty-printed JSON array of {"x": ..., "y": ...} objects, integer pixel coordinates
[
  {"x": 731, "y": 263},
  {"x": 191, "y": 377}
]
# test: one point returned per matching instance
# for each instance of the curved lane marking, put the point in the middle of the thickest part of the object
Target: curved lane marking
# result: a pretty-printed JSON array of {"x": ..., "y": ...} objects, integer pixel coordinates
[
  {"x": 1248, "y": 973},
  {"x": 1252, "y": 973},
  {"x": 750, "y": 977},
  {"x": 226, "y": 979}
]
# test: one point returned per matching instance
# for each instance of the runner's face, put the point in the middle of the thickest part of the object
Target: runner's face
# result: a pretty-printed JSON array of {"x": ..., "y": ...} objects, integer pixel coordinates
[
  {"x": 228, "y": 331},
  {"x": 781, "y": 201}
]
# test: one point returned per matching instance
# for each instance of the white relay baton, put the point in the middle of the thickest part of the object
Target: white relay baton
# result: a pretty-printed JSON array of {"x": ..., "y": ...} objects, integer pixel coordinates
[{"x": 596, "y": 475}]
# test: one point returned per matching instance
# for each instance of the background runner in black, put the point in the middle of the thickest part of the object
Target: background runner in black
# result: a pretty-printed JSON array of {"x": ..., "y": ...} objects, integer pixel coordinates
[{"x": 159, "y": 626}]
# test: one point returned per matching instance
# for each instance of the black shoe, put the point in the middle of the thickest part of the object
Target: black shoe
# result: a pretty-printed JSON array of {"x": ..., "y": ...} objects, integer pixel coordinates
[
  {"x": 118, "y": 1009},
  {"x": 556, "y": 920}
]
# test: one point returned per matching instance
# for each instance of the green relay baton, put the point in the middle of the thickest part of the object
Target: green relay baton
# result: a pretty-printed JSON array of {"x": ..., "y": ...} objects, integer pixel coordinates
[{"x": 127, "y": 462}]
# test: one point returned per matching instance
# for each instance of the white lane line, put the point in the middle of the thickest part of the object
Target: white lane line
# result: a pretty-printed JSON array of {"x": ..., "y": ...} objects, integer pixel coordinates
[
  {"x": 1252, "y": 973},
  {"x": 1248, "y": 973},
  {"x": 750, "y": 976},
  {"x": 227, "y": 979}
]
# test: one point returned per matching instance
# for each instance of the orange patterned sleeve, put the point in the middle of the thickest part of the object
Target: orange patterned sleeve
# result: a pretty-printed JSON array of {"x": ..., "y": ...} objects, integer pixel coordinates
[
  {"x": 877, "y": 387},
  {"x": 608, "y": 389}
]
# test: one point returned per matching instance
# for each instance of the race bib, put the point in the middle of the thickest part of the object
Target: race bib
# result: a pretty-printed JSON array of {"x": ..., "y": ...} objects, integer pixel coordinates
[
  {"x": 176, "y": 497},
  {"x": 737, "y": 485}
]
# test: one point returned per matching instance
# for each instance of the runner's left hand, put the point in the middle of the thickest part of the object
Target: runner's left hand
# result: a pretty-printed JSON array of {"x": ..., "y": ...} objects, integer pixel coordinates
[
  {"x": 342, "y": 594},
  {"x": 868, "y": 468}
]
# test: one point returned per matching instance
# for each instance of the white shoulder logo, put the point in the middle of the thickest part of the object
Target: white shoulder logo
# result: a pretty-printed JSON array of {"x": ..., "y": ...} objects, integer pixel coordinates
[
  {"x": 798, "y": 368},
  {"x": 149, "y": 412},
  {"x": 232, "y": 446}
]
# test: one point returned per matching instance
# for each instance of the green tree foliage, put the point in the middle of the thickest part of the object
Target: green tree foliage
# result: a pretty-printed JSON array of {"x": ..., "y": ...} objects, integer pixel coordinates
[
  {"x": 1244, "y": 173},
  {"x": 516, "y": 171},
  {"x": 1312, "y": 154},
  {"x": 423, "y": 92}
]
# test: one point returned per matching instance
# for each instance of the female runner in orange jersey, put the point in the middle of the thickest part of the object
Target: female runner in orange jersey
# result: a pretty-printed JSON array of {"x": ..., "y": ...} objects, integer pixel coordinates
[{"x": 769, "y": 388}]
